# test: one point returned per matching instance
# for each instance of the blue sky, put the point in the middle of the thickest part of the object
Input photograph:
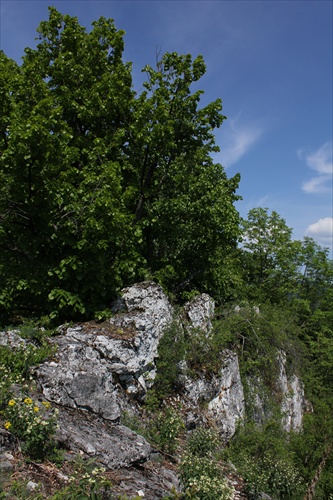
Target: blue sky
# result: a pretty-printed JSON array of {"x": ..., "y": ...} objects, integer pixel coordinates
[{"x": 270, "y": 62}]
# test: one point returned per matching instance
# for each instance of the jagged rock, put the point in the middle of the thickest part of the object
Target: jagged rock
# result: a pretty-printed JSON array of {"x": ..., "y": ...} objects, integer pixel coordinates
[
  {"x": 260, "y": 407},
  {"x": 112, "y": 445},
  {"x": 154, "y": 481},
  {"x": 81, "y": 377},
  {"x": 289, "y": 393},
  {"x": 223, "y": 393},
  {"x": 228, "y": 407},
  {"x": 96, "y": 361},
  {"x": 149, "y": 313},
  {"x": 7, "y": 440},
  {"x": 293, "y": 400},
  {"x": 199, "y": 312},
  {"x": 12, "y": 339}
]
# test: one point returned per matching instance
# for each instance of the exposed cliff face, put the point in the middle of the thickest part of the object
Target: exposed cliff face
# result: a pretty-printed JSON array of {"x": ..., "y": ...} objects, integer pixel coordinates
[
  {"x": 288, "y": 390},
  {"x": 101, "y": 371},
  {"x": 227, "y": 407},
  {"x": 98, "y": 366},
  {"x": 293, "y": 403}
]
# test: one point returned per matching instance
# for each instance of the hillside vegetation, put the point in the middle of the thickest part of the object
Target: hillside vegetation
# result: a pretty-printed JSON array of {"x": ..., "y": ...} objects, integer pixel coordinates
[{"x": 101, "y": 187}]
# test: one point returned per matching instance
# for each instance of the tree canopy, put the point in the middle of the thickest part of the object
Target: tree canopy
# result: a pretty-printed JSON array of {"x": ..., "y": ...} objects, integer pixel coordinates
[{"x": 100, "y": 185}]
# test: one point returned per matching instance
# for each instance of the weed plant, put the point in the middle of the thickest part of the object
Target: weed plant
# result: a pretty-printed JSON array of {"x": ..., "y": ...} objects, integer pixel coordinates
[
  {"x": 33, "y": 424},
  {"x": 88, "y": 482}
]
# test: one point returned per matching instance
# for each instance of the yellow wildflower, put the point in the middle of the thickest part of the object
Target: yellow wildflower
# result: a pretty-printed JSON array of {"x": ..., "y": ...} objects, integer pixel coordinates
[
  {"x": 46, "y": 404},
  {"x": 11, "y": 402},
  {"x": 7, "y": 425},
  {"x": 36, "y": 409},
  {"x": 28, "y": 401}
]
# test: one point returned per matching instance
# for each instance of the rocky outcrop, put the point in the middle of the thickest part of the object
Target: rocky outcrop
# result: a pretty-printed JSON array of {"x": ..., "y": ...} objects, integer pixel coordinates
[
  {"x": 11, "y": 339},
  {"x": 114, "y": 446},
  {"x": 99, "y": 365},
  {"x": 199, "y": 312},
  {"x": 101, "y": 370},
  {"x": 223, "y": 393},
  {"x": 259, "y": 407},
  {"x": 293, "y": 402},
  {"x": 228, "y": 407},
  {"x": 288, "y": 393}
]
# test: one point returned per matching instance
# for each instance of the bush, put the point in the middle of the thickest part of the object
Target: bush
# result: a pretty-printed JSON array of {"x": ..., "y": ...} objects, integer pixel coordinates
[
  {"x": 202, "y": 479},
  {"x": 171, "y": 351},
  {"x": 202, "y": 441},
  {"x": 88, "y": 482},
  {"x": 277, "y": 477},
  {"x": 164, "y": 429}
]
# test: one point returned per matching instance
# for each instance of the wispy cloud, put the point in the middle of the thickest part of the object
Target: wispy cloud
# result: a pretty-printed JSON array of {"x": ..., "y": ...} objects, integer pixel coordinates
[
  {"x": 322, "y": 230},
  {"x": 238, "y": 139},
  {"x": 321, "y": 162}
]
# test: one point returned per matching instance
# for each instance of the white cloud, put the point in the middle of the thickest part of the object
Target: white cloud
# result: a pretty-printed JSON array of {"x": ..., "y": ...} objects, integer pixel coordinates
[
  {"x": 238, "y": 140},
  {"x": 322, "y": 230},
  {"x": 318, "y": 184},
  {"x": 321, "y": 162}
]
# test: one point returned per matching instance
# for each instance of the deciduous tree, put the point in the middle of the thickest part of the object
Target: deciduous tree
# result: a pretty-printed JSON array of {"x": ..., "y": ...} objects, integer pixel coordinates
[{"x": 101, "y": 186}]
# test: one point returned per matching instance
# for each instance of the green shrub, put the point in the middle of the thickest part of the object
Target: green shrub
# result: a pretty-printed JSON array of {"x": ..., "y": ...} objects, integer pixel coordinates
[
  {"x": 202, "y": 479},
  {"x": 171, "y": 351},
  {"x": 88, "y": 482},
  {"x": 202, "y": 441},
  {"x": 277, "y": 477},
  {"x": 164, "y": 429}
]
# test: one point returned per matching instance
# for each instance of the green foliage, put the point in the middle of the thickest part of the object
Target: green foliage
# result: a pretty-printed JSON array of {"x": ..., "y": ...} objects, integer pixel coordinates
[
  {"x": 276, "y": 477},
  {"x": 202, "y": 479},
  {"x": 161, "y": 427},
  {"x": 202, "y": 442},
  {"x": 164, "y": 429},
  {"x": 9, "y": 377},
  {"x": 266, "y": 462},
  {"x": 200, "y": 472},
  {"x": 268, "y": 256},
  {"x": 101, "y": 186},
  {"x": 16, "y": 489},
  {"x": 20, "y": 360},
  {"x": 33, "y": 424},
  {"x": 278, "y": 269},
  {"x": 171, "y": 352},
  {"x": 88, "y": 482},
  {"x": 312, "y": 444}
]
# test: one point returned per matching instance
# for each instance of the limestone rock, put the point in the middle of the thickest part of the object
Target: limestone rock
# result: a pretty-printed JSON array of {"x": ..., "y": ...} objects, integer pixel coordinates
[
  {"x": 96, "y": 361},
  {"x": 153, "y": 482},
  {"x": 7, "y": 440},
  {"x": 293, "y": 400},
  {"x": 289, "y": 391},
  {"x": 260, "y": 408},
  {"x": 148, "y": 312},
  {"x": 12, "y": 339},
  {"x": 228, "y": 407},
  {"x": 112, "y": 445},
  {"x": 223, "y": 393},
  {"x": 81, "y": 377},
  {"x": 199, "y": 312}
]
